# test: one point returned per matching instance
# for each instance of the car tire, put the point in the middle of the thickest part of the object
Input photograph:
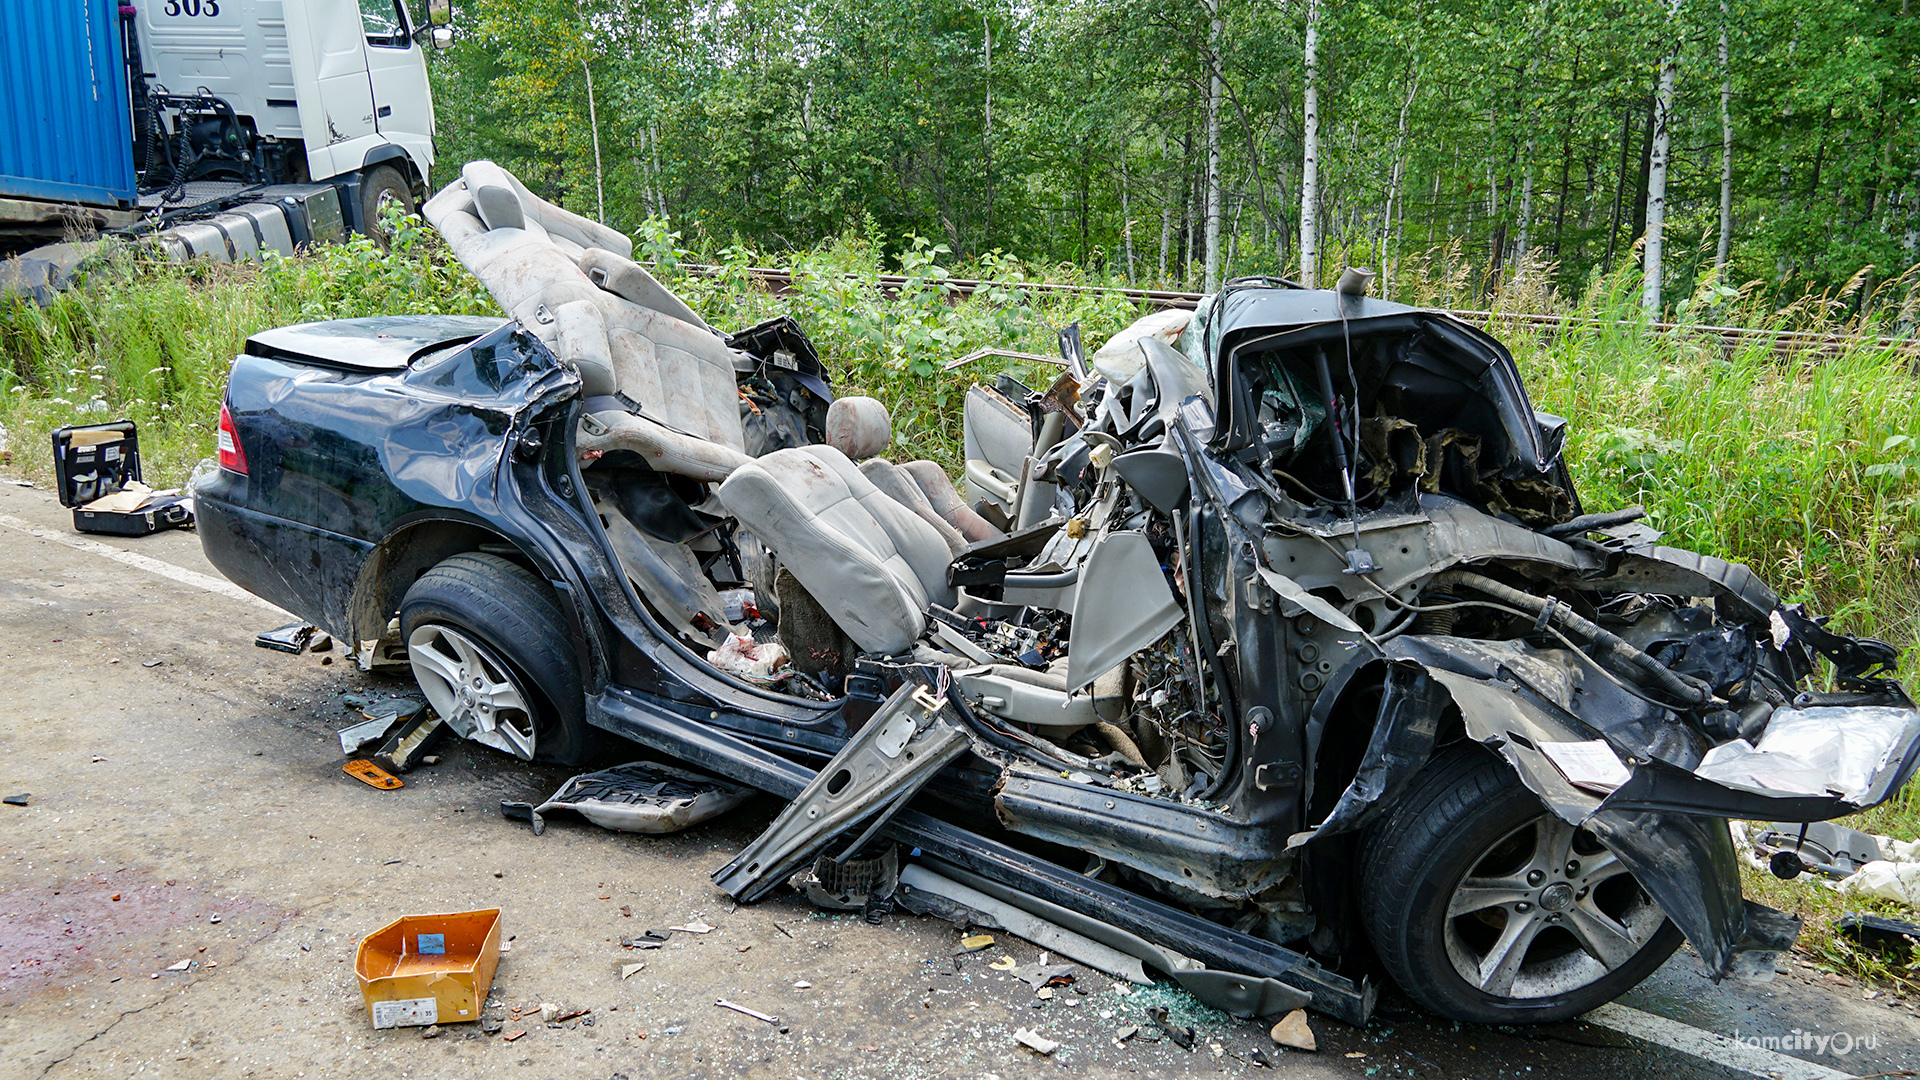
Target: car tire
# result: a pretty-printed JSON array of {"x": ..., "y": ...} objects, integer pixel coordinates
[
  {"x": 489, "y": 647},
  {"x": 382, "y": 185},
  {"x": 1468, "y": 834}
]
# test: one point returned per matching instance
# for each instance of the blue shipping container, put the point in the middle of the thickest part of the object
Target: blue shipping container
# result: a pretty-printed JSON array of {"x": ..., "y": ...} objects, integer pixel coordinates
[{"x": 68, "y": 133}]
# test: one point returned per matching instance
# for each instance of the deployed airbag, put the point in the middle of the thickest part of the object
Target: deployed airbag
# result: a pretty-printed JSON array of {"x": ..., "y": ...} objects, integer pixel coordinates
[{"x": 1815, "y": 751}]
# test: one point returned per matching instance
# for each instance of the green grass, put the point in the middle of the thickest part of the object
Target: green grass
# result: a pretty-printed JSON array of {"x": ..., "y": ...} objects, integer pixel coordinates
[
  {"x": 1806, "y": 468},
  {"x": 1820, "y": 907},
  {"x": 152, "y": 341}
]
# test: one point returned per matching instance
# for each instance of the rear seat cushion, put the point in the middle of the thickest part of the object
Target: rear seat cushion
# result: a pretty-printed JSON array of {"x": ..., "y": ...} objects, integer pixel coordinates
[
  {"x": 858, "y": 427},
  {"x": 801, "y": 505}
]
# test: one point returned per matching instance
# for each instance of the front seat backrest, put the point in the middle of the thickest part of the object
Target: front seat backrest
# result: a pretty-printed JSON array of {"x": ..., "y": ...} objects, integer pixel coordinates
[{"x": 818, "y": 517}]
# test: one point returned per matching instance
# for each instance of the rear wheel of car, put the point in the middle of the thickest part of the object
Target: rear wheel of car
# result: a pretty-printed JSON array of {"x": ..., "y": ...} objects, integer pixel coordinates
[
  {"x": 488, "y": 645},
  {"x": 1487, "y": 908},
  {"x": 382, "y": 187}
]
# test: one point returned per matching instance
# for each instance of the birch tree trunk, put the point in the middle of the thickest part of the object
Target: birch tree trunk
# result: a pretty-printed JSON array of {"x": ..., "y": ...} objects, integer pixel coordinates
[
  {"x": 1126, "y": 212},
  {"x": 659, "y": 187},
  {"x": 1726, "y": 154},
  {"x": 593, "y": 122},
  {"x": 986, "y": 119},
  {"x": 1213, "y": 148},
  {"x": 1657, "y": 165},
  {"x": 1393, "y": 188},
  {"x": 1526, "y": 214},
  {"x": 1310, "y": 155},
  {"x": 1166, "y": 218}
]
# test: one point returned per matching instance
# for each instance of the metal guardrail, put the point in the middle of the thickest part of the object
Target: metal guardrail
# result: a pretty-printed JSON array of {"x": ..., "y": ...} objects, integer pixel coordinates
[{"x": 1786, "y": 342}]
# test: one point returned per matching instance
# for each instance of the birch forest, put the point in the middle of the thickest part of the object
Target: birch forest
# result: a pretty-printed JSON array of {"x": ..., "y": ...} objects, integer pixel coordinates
[{"x": 1771, "y": 146}]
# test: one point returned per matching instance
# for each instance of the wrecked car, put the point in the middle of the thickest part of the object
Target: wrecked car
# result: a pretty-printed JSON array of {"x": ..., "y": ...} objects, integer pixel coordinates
[{"x": 1267, "y": 649}]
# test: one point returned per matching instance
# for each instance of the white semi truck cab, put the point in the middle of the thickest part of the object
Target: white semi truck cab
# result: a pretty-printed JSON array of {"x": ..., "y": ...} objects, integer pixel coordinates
[{"x": 172, "y": 117}]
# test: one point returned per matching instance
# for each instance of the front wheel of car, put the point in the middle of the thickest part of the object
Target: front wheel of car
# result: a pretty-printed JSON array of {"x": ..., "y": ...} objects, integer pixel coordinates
[
  {"x": 1485, "y": 907},
  {"x": 488, "y": 645}
]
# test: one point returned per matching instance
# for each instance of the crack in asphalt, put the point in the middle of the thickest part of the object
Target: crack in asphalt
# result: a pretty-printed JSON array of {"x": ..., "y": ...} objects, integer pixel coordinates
[
  {"x": 77, "y": 1047},
  {"x": 279, "y": 925}
]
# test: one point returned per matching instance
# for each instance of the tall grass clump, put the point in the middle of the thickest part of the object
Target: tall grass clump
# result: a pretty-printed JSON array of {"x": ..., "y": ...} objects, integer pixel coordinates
[{"x": 152, "y": 341}]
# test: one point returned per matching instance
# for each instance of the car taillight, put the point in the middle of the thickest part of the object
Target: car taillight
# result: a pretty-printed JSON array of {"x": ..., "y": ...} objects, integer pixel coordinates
[{"x": 232, "y": 458}]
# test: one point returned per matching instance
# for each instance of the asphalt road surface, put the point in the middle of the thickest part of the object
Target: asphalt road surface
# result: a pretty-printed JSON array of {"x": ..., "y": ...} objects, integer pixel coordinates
[{"x": 186, "y": 803}]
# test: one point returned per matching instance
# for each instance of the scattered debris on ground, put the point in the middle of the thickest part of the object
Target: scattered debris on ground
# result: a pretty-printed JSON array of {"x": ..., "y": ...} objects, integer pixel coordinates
[
  {"x": 1035, "y": 1041},
  {"x": 639, "y": 797},
  {"x": 1846, "y": 860},
  {"x": 744, "y": 1011},
  {"x": 421, "y": 970},
  {"x": 371, "y": 775},
  {"x": 291, "y": 638},
  {"x": 1894, "y": 937},
  {"x": 1292, "y": 1031}
]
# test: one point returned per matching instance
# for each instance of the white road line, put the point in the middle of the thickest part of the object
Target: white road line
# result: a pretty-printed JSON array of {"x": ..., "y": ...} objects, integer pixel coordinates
[
  {"x": 1718, "y": 1049},
  {"x": 151, "y": 565}
]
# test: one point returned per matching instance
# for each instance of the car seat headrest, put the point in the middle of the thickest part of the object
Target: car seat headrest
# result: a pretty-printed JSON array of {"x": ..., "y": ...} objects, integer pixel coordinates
[{"x": 858, "y": 427}]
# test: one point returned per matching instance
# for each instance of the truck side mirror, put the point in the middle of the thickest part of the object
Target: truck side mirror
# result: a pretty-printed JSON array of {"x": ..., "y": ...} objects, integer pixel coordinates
[{"x": 442, "y": 37}]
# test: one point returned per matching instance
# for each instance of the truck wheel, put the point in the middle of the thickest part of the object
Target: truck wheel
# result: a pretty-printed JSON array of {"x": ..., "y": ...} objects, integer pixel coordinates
[
  {"x": 383, "y": 186},
  {"x": 488, "y": 646},
  {"x": 1487, "y": 908}
]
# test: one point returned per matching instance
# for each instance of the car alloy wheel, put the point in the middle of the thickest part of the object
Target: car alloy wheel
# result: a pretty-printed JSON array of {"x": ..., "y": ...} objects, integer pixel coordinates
[
  {"x": 1546, "y": 910},
  {"x": 1485, "y": 907},
  {"x": 473, "y": 690}
]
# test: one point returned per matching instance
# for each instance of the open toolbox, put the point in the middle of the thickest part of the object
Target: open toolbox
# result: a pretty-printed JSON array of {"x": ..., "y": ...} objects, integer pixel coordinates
[{"x": 97, "y": 470}]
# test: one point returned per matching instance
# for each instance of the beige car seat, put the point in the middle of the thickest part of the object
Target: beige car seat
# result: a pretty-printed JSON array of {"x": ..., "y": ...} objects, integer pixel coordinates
[
  {"x": 571, "y": 282},
  {"x": 871, "y": 543}
]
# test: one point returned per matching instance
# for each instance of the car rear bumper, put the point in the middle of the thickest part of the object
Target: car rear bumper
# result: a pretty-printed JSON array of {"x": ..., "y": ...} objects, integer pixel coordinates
[{"x": 309, "y": 572}]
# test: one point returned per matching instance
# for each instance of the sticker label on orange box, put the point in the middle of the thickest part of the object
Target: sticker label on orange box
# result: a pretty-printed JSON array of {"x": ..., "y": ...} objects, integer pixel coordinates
[{"x": 414, "y": 1012}]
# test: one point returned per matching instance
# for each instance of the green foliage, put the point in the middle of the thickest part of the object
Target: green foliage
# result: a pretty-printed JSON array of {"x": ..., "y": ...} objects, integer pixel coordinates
[{"x": 1074, "y": 130}]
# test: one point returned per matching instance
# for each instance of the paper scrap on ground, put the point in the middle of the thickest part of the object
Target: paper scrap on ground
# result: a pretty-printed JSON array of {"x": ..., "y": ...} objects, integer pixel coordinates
[{"x": 1035, "y": 1041}]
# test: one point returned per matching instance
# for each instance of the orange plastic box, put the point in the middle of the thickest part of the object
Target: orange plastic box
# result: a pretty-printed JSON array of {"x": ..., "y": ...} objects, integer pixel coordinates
[{"x": 429, "y": 969}]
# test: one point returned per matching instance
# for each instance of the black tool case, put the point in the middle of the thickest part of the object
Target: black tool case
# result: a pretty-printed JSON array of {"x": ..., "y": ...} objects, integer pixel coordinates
[{"x": 93, "y": 461}]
